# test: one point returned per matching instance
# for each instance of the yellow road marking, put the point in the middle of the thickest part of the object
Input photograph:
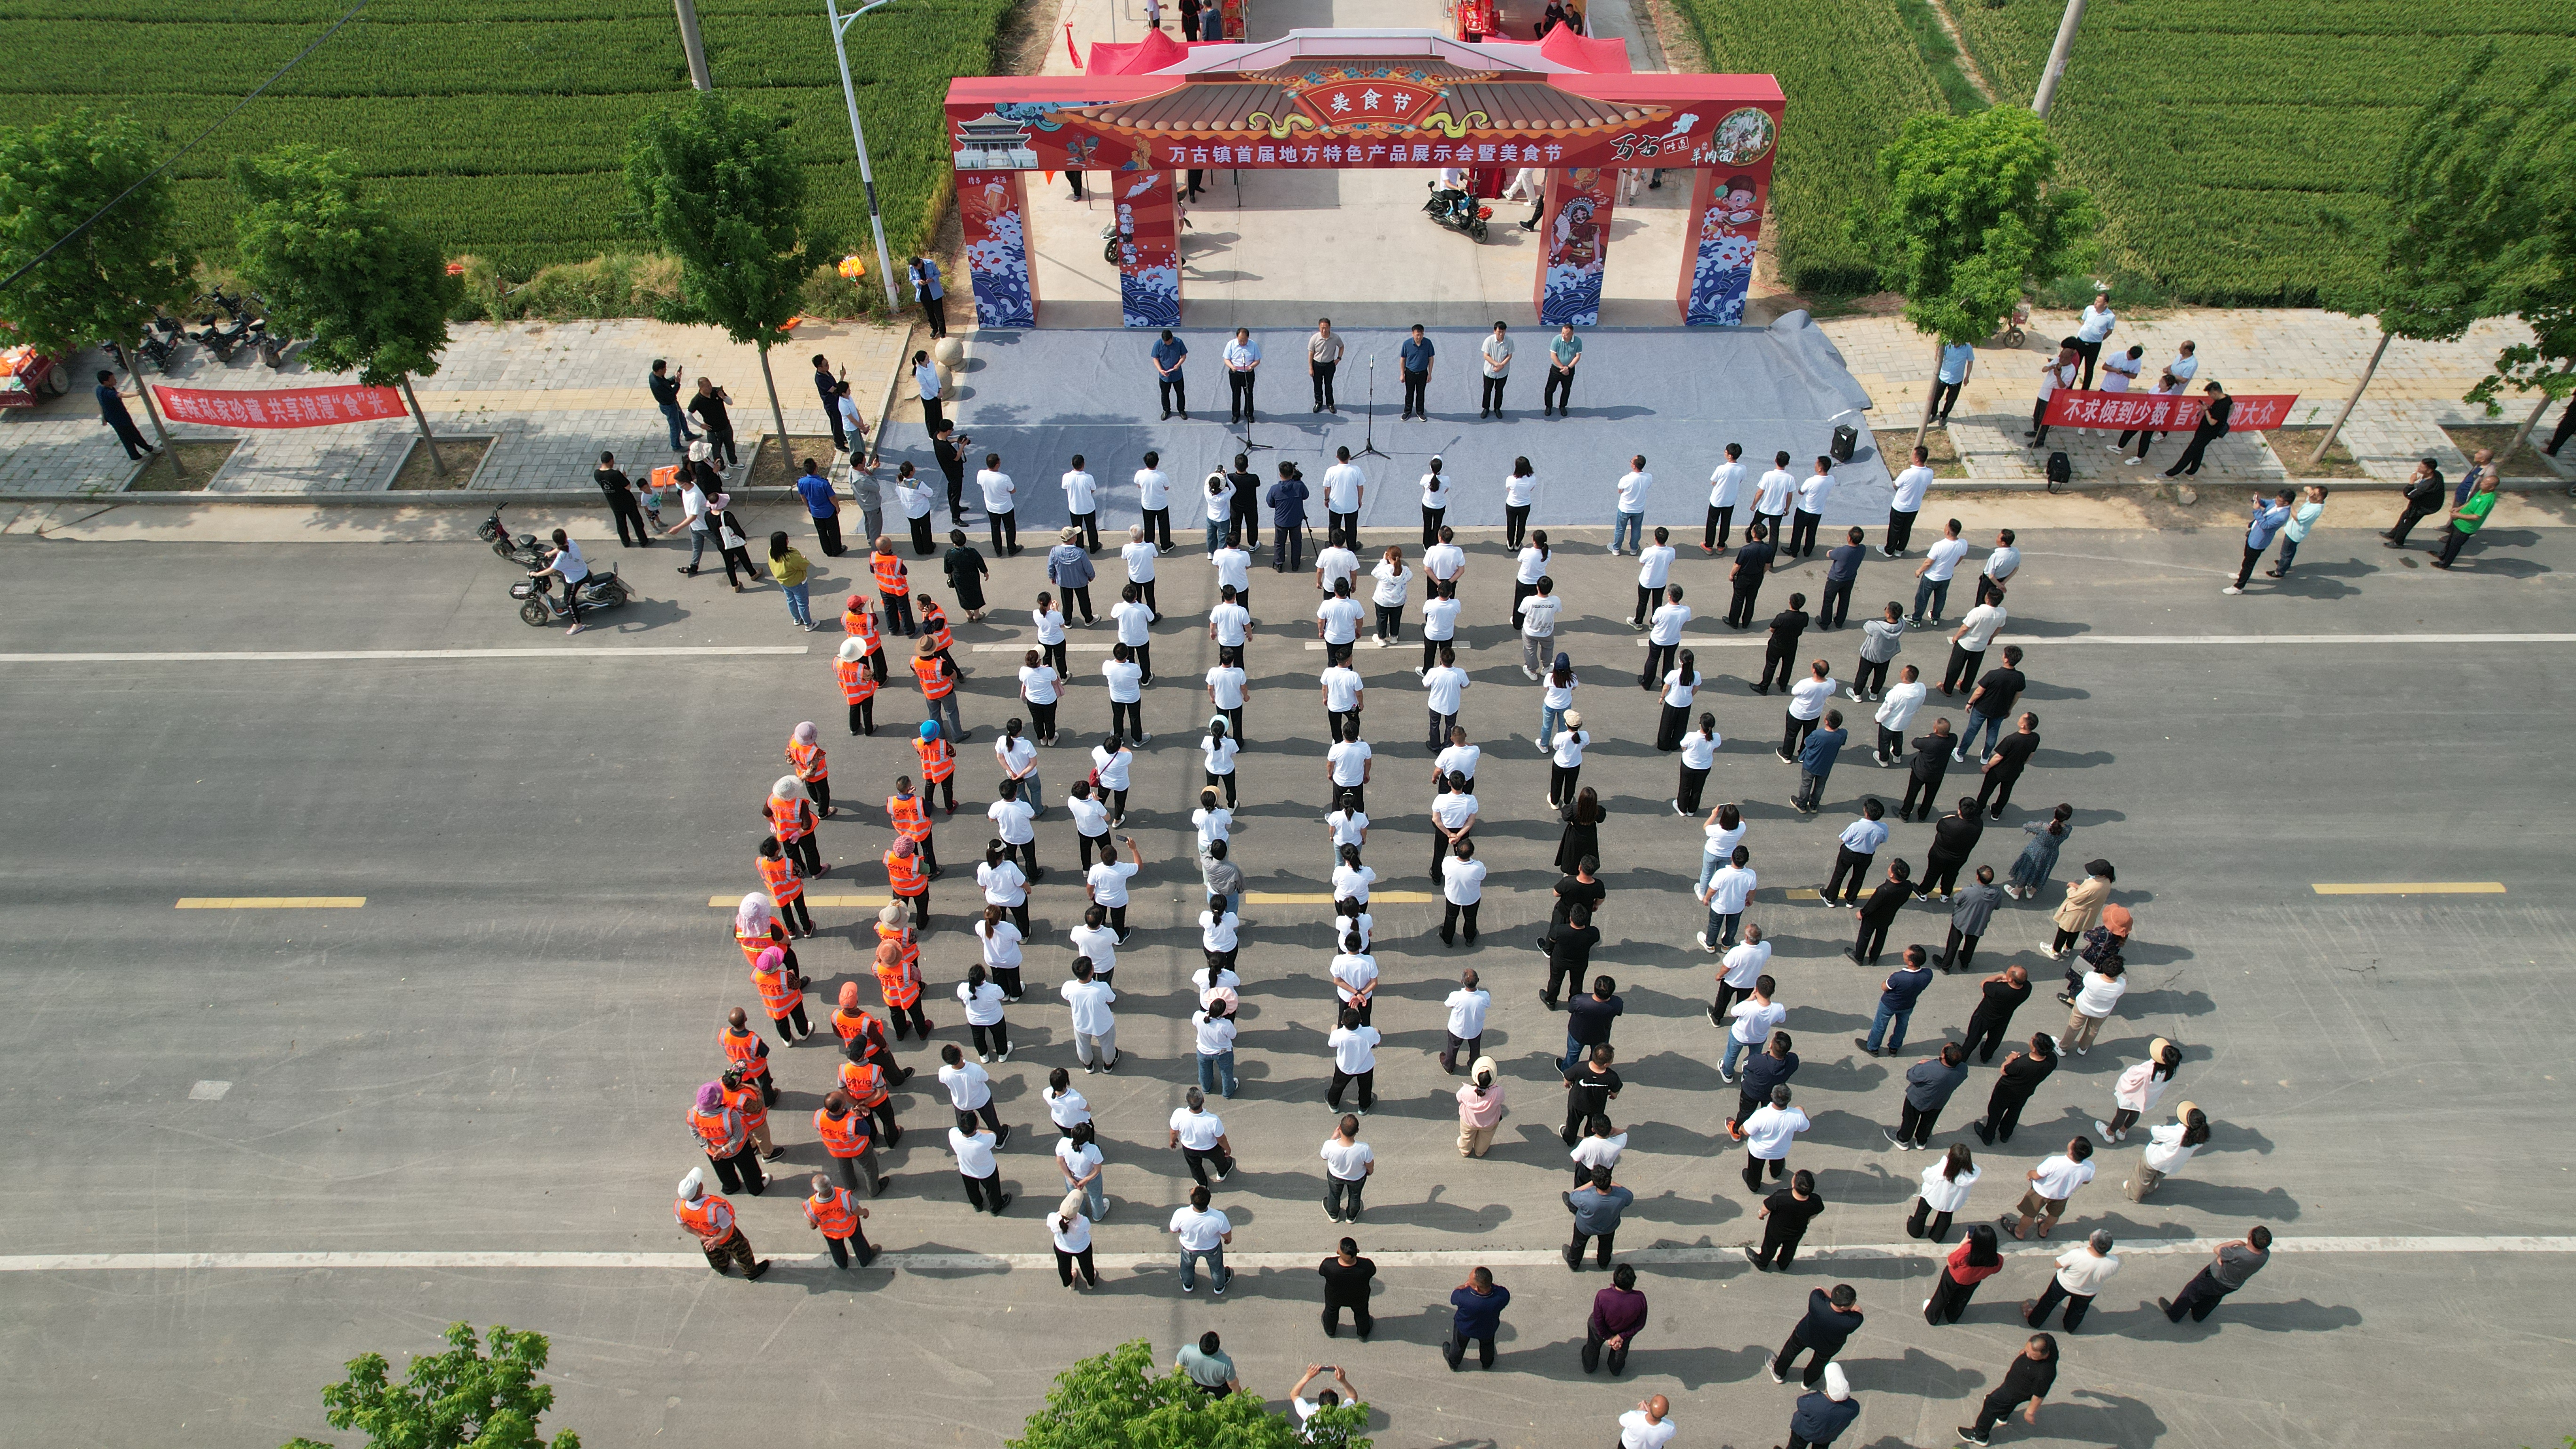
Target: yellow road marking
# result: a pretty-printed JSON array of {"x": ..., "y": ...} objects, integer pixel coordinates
[
  {"x": 2415, "y": 888},
  {"x": 270, "y": 903},
  {"x": 1807, "y": 893}
]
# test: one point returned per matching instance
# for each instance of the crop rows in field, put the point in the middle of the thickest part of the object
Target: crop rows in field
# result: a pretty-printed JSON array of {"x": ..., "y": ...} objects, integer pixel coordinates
[
  {"x": 2217, "y": 133},
  {"x": 1852, "y": 76},
  {"x": 501, "y": 125}
]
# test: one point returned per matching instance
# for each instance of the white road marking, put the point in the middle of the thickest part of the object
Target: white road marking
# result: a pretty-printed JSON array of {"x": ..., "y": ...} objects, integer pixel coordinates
[
  {"x": 1929, "y": 1253},
  {"x": 209, "y": 1091},
  {"x": 604, "y": 651}
]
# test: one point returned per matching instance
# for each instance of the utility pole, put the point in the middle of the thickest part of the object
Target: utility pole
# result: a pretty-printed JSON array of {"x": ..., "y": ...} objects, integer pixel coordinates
[
  {"x": 2056, "y": 57},
  {"x": 696, "y": 48},
  {"x": 859, "y": 141}
]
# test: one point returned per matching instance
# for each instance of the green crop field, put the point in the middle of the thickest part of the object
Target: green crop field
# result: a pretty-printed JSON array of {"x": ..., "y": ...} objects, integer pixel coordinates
[
  {"x": 2215, "y": 133},
  {"x": 501, "y": 124},
  {"x": 1852, "y": 74}
]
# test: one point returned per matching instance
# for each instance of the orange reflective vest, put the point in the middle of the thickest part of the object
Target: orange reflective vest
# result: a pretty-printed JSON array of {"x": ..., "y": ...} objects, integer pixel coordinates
[
  {"x": 857, "y": 621},
  {"x": 906, "y": 944},
  {"x": 721, "y": 1130},
  {"x": 911, "y": 818},
  {"x": 808, "y": 762},
  {"x": 848, "y": 1022},
  {"x": 745, "y": 1050},
  {"x": 938, "y": 757},
  {"x": 746, "y": 1101},
  {"x": 890, "y": 574},
  {"x": 789, "y": 819},
  {"x": 752, "y": 946},
  {"x": 833, "y": 1213},
  {"x": 709, "y": 1219},
  {"x": 934, "y": 624},
  {"x": 904, "y": 875},
  {"x": 896, "y": 977},
  {"x": 932, "y": 672},
  {"x": 842, "y": 1136},
  {"x": 781, "y": 878},
  {"x": 866, "y": 1084},
  {"x": 781, "y": 998},
  {"x": 858, "y": 682}
]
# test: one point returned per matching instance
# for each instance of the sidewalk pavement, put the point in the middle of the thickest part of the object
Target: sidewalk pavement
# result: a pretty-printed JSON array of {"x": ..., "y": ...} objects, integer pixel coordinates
[{"x": 552, "y": 395}]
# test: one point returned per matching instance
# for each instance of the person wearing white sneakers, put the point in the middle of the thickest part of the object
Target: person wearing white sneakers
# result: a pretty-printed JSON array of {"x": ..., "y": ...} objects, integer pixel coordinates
[
  {"x": 1895, "y": 710},
  {"x": 1630, "y": 519},
  {"x": 1654, "y": 570},
  {"x": 2137, "y": 1090},
  {"x": 1726, "y": 893}
]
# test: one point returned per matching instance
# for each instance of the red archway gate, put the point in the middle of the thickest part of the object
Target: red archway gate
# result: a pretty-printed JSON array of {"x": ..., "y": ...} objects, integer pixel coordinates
[{"x": 1365, "y": 99}]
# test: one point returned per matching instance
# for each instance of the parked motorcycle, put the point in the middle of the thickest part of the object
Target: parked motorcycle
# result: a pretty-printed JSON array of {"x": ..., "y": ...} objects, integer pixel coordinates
[
  {"x": 539, "y": 606},
  {"x": 520, "y": 549},
  {"x": 1459, "y": 212},
  {"x": 223, "y": 339}
]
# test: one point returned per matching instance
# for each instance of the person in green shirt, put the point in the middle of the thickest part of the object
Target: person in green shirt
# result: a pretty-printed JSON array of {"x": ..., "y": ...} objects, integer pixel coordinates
[
  {"x": 2468, "y": 518},
  {"x": 1562, "y": 354},
  {"x": 1208, "y": 1367}
]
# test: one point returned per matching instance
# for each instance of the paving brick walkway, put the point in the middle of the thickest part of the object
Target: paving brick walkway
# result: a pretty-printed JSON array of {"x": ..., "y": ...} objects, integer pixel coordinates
[{"x": 551, "y": 395}]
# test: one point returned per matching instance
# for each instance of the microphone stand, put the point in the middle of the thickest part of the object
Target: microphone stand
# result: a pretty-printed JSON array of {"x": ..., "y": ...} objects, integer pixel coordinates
[{"x": 1368, "y": 441}]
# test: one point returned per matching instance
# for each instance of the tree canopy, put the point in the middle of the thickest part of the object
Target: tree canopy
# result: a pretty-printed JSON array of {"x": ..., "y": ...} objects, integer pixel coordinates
[
  {"x": 460, "y": 1399},
  {"x": 372, "y": 294},
  {"x": 112, "y": 278},
  {"x": 1972, "y": 218},
  {"x": 1113, "y": 1401}
]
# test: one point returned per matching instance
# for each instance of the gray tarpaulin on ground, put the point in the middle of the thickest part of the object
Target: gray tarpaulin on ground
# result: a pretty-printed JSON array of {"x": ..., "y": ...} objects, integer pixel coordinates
[{"x": 1677, "y": 395}]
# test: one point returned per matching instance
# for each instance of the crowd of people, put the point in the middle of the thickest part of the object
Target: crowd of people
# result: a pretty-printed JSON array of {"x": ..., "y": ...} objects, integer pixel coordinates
[{"x": 990, "y": 939}]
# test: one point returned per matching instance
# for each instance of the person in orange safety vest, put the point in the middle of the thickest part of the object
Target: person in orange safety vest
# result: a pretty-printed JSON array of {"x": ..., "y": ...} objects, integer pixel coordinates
[
  {"x": 858, "y": 687},
  {"x": 709, "y": 1219},
  {"x": 871, "y": 1090},
  {"x": 894, "y": 588},
  {"x": 849, "y": 1143},
  {"x": 748, "y": 1053},
  {"x": 745, "y": 1098},
  {"x": 907, "y": 880},
  {"x": 938, "y": 756},
  {"x": 784, "y": 879},
  {"x": 783, "y": 995},
  {"x": 860, "y": 619},
  {"x": 792, "y": 818},
  {"x": 831, "y": 1211},
  {"x": 937, "y": 676},
  {"x": 899, "y": 979},
  {"x": 851, "y": 1022},
  {"x": 805, "y": 759},
  {"x": 720, "y": 1131},
  {"x": 910, "y": 816},
  {"x": 934, "y": 628},
  {"x": 756, "y": 928}
]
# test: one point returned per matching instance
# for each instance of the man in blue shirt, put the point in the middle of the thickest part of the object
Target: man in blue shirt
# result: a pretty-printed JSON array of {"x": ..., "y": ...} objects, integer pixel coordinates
[
  {"x": 1896, "y": 1001},
  {"x": 824, "y": 507},
  {"x": 1822, "y": 1415},
  {"x": 1958, "y": 361},
  {"x": 1596, "y": 1212},
  {"x": 664, "y": 384},
  {"x": 933, "y": 297},
  {"x": 1816, "y": 760},
  {"x": 111, "y": 411},
  {"x": 1479, "y": 1303},
  {"x": 2269, "y": 516},
  {"x": 1842, "y": 570},
  {"x": 1562, "y": 354},
  {"x": 1860, "y": 842},
  {"x": 1168, "y": 353},
  {"x": 1415, "y": 355},
  {"x": 1288, "y": 521}
]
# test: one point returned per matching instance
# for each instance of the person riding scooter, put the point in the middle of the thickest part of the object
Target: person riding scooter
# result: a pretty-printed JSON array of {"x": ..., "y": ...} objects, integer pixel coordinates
[{"x": 564, "y": 561}]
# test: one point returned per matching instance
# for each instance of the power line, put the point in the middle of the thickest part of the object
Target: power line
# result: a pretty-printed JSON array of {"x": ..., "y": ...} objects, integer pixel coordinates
[{"x": 12, "y": 279}]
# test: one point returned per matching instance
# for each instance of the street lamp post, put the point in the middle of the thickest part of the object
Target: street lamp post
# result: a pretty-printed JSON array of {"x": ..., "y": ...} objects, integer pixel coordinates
[{"x": 859, "y": 139}]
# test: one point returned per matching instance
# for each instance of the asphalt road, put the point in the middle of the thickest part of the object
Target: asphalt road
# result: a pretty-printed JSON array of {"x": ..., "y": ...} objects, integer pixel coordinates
[{"x": 492, "y": 1054}]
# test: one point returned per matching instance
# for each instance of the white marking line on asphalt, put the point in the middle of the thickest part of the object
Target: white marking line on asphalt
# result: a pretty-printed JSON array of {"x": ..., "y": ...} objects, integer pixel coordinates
[
  {"x": 1432, "y": 1258},
  {"x": 605, "y": 651},
  {"x": 1033, "y": 644}
]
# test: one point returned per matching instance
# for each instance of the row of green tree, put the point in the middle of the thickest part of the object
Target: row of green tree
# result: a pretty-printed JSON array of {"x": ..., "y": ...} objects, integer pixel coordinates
[
  {"x": 711, "y": 181},
  {"x": 471, "y": 1397},
  {"x": 2479, "y": 206}
]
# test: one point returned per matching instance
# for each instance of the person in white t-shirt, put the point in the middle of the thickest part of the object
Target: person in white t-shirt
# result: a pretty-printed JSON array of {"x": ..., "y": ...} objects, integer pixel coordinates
[
  {"x": 1538, "y": 625},
  {"x": 1343, "y": 698},
  {"x": 1348, "y": 763},
  {"x": 1520, "y": 494},
  {"x": 1807, "y": 700},
  {"x": 1106, "y": 882},
  {"x": 1354, "y": 1047},
  {"x": 1467, "y": 1007},
  {"x": 1629, "y": 519},
  {"x": 1458, "y": 757},
  {"x": 1654, "y": 570},
  {"x": 1203, "y": 1232},
  {"x": 1082, "y": 504},
  {"x": 1348, "y": 1164},
  {"x": 1154, "y": 500},
  {"x": 1698, "y": 748},
  {"x": 1444, "y": 685},
  {"x": 2052, "y": 1182},
  {"x": 1233, "y": 566},
  {"x": 1647, "y": 1426},
  {"x": 1767, "y": 1132},
  {"x": 1305, "y": 1408},
  {"x": 1140, "y": 553},
  {"x": 1814, "y": 491},
  {"x": 1134, "y": 618},
  {"x": 1439, "y": 622},
  {"x": 1226, "y": 685},
  {"x": 2058, "y": 373},
  {"x": 1565, "y": 760},
  {"x": 1337, "y": 622},
  {"x": 1394, "y": 581},
  {"x": 1932, "y": 576},
  {"x": 1345, "y": 488},
  {"x": 1664, "y": 635},
  {"x": 1771, "y": 495},
  {"x": 1348, "y": 823},
  {"x": 1445, "y": 561},
  {"x": 1725, "y": 486},
  {"x": 1334, "y": 564},
  {"x": 1126, "y": 681},
  {"x": 1436, "y": 493},
  {"x": 1000, "y": 506},
  {"x": 1905, "y": 502}
]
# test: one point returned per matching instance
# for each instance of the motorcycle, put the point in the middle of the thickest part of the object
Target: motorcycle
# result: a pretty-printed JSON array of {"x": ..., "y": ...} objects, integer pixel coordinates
[
  {"x": 520, "y": 549},
  {"x": 1459, "y": 212},
  {"x": 538, "y": 605}
]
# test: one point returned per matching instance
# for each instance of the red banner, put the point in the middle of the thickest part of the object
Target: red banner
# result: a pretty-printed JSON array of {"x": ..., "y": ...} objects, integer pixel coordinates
[
  {"x": 298, "y": 407},
  {"x": 2163, "y": 414}
]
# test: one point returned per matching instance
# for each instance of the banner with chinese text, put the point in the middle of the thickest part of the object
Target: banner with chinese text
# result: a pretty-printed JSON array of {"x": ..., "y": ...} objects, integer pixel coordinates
[
  {"x": 2163, "y": 414},
  {"x": 298, "y": 407}
]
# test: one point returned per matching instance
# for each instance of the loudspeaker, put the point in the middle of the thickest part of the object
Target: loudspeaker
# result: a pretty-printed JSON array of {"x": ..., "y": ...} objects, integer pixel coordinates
[{"x": 1846, "y": 439}]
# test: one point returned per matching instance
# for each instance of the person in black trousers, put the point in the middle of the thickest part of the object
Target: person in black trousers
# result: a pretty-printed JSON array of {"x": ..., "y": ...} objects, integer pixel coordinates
[
  {"x": 2020, "y": 1076},
  {"x": 2212, "y": 427},
  {"x": 111, "y": 411},
  {"x": 1998, "y": 997},
  {"x": 620, "y": 493},
  {"x": 2030, "y": 1377},
  {"x": 1346, "y": 1278},
  {"x": 2424, "y": 494},
  {"x": 945, "y": 441},
  {"x": 1785, "y": 1215},
  {"x": 1928, "y": 1085},
  {"x": 1953, "y": 836},
  {"x": 2005, "y": 765},
  {"x": 1781, "y": 653},
  {"x": 1831, "y": 1320},
  {"x": 1880, "y": 913},
  {"x": 1855, "y": 863},
  {"x": 2231, "y": 1264},
  {"x": 1923, "y": 775},
  {"x": 1752, "y": 563}
]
